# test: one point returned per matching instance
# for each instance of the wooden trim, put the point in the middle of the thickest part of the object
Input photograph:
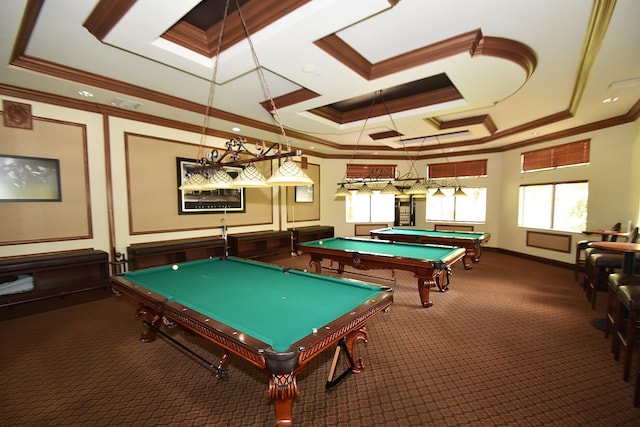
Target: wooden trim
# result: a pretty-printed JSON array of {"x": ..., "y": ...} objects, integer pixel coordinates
[
  {"x": 256, "y": 14},
  {"x": 105, "y": 15},
  {"x": 432, "y": 97},
  {"x": 67, "y": 142},
  {"x": 342, "y": 52},
  {"x": 290, "y": 98},
  {"x": 551, "y": 241},
  {"x": 31, "y": 13},
  {"x": 472, "y": 42},
  {"x": 461, "y": 43},
  {"x": 485, "y": 120},
  {"x": 34, "y": 95},
  {"x": 509, "y": 50},
  {"x": 20, "y": 59}
]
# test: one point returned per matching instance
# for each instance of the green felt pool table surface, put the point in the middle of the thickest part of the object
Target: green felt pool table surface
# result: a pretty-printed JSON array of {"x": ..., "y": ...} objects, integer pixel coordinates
[
  {"x": 253, "y": 297},
  {"x": 470, "y": 240},
  {"x": 434, "y": 233},
  {"x": 277, "y": 319},
  {"x": 379, "y": 247},
  {"x": 431, "y": 264}
]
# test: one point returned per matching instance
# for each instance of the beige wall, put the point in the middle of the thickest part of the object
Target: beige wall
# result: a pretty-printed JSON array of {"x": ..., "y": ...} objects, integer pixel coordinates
[
  {"x": 608, "y": 173},
  {"x": 334, "y": 212},
  {"x": 634, "y": 177},
  {"x": 97, "y": 180},
  {"x": 613, "y": 175}
]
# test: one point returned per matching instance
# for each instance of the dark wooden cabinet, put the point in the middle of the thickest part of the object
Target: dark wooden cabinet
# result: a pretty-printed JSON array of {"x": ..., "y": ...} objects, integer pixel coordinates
[
  {"x": 311, "y": 233},
  {"x": 153, "y": 254},
  {"x": 405, "y": 212},
  {"x": 263, "y": 245},
  {"x": 52, "y": 281}
]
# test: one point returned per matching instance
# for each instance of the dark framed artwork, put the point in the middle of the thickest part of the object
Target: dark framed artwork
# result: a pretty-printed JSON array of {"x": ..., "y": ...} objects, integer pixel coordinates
[
  {"x": 29, "y": 179},
  {"x": 304, "y": 194},
  {"x": 213, "y": 201}
]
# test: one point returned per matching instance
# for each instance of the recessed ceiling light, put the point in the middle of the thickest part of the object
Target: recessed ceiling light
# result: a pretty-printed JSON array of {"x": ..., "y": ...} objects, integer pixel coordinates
[
  {"x": 235, "y": 129},
  {"x": 610, "y": 100},
  {"x": 85, "y": 93},
  {"x": 311, "y": 147},
  {"x": 536, "y": 133},
  {"x": 310, "y": 68}
]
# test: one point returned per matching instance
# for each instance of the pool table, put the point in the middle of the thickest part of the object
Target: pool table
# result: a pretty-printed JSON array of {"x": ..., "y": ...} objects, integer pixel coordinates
[
  {"x": 277, "y": 319},
  {"x": 431, "y": 264},
  {"x": 471, "y": 241}
]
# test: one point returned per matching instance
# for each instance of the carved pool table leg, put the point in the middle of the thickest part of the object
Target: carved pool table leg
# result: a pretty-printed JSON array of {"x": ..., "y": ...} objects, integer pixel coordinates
[
  {"x": 282, "y": 390},
  {"x": 350, "y": 342},
  {"x": 154, "y": 320},
  {"x": 315, "y": 266},
  {"x": 442, "y": 279},
  {"x": 466, "y": 260},
  {"x": 423, "y": 290},
  {"x": 477, "y": 253}
]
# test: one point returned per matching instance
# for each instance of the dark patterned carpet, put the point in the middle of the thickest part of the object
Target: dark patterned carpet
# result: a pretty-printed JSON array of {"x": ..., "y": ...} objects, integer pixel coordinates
[{"x": 509, "y": 344}]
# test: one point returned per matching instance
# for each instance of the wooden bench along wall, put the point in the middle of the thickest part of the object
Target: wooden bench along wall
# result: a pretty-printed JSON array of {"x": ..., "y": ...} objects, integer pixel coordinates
[
  {"x": 310, "y": 233},
  {"x": 364, "y": 229},
  {"x": 453, "y": 227},
  {"x": 261, "y": 245},
  {"x": 153, "y": 254},
  {"x": 52, "y": 280}
]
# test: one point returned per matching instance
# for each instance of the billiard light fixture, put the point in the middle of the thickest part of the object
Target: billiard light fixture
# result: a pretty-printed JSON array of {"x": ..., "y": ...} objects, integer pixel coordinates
[
  {"x": 210, "y": 171},
  {"x": 400, "y": 187},
  {"x": 411, "y": 184}
]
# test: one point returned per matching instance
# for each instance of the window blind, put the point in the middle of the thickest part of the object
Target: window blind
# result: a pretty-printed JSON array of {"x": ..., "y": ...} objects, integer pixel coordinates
[
  {"x": 367, "y": 171},
  {"x": 573, "y": 153},
  {"x": 458, "y": 169}
]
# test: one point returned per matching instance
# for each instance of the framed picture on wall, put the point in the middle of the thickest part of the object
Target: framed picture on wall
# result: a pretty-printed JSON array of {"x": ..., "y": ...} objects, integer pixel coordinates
[
  {"x": 304, "y": 193},
  {"x": 29, "y": 179},
  {"x": 213, "y": 201}
]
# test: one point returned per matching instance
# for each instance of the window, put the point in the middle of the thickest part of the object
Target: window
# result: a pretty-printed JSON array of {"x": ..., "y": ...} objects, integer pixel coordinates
[
  {"x": 574, "y": 153},
  {"x": 374, "y": 207},
  {"x": 469, "y": 208},
  {"x": 561, "y": 206}
]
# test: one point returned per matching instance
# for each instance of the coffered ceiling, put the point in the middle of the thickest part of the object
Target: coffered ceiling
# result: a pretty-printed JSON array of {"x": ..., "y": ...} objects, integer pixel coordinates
[{"x": 347, "y": 78}]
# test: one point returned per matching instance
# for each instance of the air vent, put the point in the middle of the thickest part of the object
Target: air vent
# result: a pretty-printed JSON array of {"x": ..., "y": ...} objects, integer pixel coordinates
[
  {"x": 125, "y": 103},
  {"x": 430, "y": 138},
  {"x": 385, "y": 135}
]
